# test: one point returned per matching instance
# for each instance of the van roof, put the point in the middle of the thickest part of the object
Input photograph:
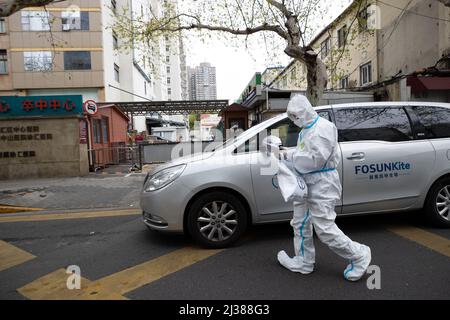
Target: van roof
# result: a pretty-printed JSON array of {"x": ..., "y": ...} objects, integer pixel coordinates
[{"x": 386, "y": 103}]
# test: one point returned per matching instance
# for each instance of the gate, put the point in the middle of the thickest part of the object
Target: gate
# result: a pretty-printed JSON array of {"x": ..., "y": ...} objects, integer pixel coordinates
[{"x": 117, "y": 155}]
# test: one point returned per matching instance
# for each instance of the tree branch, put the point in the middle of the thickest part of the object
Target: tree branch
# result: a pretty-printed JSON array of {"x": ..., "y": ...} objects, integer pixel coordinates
[
  {"x": 8, "y": 7},
  {"x": 280, "y": 6},
  {"x": 247, "y": 31}
]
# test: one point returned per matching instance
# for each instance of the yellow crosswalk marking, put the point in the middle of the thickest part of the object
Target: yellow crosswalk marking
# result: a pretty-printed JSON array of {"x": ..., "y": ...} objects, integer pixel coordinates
[
  {"x": 113, "y": 287},
  {"x": 147, "y": 272},
  {"x": 424, "y": 238},
  {"x": 11, "y": 256},
  {"x": 69, "y": 216},
  {"x": 51, "y": 287}
]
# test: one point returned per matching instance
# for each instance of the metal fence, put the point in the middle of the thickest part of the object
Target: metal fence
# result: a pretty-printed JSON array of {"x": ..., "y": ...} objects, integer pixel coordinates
[
  {"x": 103, "y": 157},
  {"x": 137, "y": 155}
]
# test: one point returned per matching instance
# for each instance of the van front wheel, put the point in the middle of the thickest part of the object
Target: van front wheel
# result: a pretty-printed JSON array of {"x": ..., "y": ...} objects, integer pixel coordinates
[
  {"x": 217, "y": 219},
  {"x": 437, "y": 206}
]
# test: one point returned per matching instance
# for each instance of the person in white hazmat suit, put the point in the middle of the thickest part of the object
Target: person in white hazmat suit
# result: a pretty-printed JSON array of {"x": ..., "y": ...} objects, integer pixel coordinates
[{"x": 315, "y": 159}]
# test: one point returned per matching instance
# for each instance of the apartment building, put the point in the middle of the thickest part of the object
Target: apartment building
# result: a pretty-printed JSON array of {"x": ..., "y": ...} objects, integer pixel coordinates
[
  {"x": 71, "y": 48},
  {"x": 202, "y": 82},
  {"x": 379, "y": 46}
]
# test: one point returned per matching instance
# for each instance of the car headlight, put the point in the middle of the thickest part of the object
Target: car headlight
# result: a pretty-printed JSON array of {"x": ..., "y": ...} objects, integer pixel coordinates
[{"x": 163, "y": 178}]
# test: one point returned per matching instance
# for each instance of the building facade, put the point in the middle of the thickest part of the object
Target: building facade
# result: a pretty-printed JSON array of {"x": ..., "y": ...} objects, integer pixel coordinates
[
  {"x": 202, "y": 82},
  {"x": 263, "y": 102},
  {"x": 379, "y": 46},
  {"x": 71, "y": 48}
]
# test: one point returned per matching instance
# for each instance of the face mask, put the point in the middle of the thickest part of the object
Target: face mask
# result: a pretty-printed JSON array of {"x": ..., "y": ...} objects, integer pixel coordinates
[
  {"x": 291, "y": 117},
  {"x": 298, "y": 123}
]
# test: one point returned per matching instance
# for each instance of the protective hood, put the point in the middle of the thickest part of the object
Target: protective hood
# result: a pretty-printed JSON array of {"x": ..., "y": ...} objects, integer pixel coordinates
[{"x": 301, "y": 112}]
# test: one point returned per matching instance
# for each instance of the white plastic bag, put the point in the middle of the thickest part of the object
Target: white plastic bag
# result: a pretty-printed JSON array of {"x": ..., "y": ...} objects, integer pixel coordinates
[{"x": 292, "y": 186}]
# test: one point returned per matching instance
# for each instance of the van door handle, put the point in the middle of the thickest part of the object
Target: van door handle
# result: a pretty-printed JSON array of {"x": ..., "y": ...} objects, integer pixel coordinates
[{"x": 357, "y": 156}]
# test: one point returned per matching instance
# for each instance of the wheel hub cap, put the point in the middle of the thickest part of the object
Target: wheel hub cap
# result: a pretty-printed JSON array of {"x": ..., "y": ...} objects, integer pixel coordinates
[
  {"x": 217, "y": 221},
  {"x": 443, "y": 203}
]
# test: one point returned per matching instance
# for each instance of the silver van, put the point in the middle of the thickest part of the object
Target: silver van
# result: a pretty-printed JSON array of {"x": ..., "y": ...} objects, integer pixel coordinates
[{"x": 395, "y": 157}]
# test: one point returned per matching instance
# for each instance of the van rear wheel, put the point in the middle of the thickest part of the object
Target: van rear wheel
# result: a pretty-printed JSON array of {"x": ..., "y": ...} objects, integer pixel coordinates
[
  {"x": 437, "y": 207},
  {"x": 217, "y": 219}
]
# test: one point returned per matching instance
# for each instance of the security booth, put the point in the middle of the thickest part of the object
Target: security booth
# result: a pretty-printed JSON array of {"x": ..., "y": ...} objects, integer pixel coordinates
[
  {"x": 234, "y": 116},
  {"x": 42, "y": 136},
  {"x": 108, "y": 138}
]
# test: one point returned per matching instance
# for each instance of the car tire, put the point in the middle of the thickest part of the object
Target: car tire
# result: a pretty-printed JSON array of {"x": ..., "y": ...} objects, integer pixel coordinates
[
  {"x": 209, "y": 223},
  {"x": 437, "y": 200}
]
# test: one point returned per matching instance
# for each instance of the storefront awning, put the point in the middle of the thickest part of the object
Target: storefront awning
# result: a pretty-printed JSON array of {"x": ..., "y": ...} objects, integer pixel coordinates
[{"x": 423, "y": 84}]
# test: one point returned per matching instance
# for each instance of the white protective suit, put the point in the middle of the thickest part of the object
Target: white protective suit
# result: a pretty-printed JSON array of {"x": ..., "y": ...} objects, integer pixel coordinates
[{"x": 316, "y": 158}]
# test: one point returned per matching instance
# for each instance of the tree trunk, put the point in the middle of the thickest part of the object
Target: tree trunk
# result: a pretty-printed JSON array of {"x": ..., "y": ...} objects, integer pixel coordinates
[{"x": 316, "y": 79}]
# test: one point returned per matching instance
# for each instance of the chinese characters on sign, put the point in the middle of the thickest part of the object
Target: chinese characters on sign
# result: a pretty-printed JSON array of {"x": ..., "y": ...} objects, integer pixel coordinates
[
  {"x": 19, "y": 154},
  {"x": 12, "y": 106},
  {"x": 83, "y": 132},
  {"x": 383, "y": 176},
  {"x": 41, "y": 105},
  {"x": 21, "y": 133}
]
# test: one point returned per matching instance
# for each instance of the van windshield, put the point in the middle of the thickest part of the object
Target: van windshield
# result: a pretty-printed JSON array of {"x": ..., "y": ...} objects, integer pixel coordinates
[{"x": 250, "y": 132}]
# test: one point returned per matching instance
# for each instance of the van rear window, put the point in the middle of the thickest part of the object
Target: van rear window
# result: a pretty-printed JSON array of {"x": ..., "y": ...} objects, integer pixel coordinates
[{"x": 436, "y": 121}]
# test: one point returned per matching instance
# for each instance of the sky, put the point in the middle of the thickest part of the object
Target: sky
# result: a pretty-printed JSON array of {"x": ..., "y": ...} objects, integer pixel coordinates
[{"x": 235, "y": 66}]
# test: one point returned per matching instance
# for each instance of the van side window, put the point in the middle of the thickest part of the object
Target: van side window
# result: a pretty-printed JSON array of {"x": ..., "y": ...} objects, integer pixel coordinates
[
  {"x": 287, "y": 131},
  {"x": 435, "y": 120},
  {"x": 373, "y": 123},
  {"x": 325, "y": 115}
]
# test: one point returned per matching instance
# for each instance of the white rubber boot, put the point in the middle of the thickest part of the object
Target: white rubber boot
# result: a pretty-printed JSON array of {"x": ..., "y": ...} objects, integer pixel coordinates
[
  {"x": 295, "y": 264},
  {"x": 358, "y": 268}
]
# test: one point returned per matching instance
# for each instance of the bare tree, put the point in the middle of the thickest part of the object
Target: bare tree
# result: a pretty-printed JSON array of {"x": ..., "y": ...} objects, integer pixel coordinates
[
  {"x": 8, "y": 7},
  {"x": 290, "y": 21}
]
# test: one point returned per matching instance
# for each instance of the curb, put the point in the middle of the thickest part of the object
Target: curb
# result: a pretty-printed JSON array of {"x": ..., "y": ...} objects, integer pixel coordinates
[
  {"x": 5, "y": 209},
  {"x": 64, "y": 211}
]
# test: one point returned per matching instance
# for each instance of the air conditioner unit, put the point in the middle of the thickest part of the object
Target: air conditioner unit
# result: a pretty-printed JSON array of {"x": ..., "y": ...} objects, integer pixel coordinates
[{"x": 66, "y": 27}]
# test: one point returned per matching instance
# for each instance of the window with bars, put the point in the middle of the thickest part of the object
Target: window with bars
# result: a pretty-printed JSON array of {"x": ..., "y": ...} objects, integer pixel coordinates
[
  {"x": 75, "y": 20},
  {"x": 38, "y": 61},
  {"x": 97, "y": 128},
  {"x": 366, "y": 74},
  {"x": 115, "y": 41},
  {"x": 325, "y": 47},
  {"x": 116, "y": 72},
  {"x": 342, "y": 35},
  {"x": 363, "y": 17},
  {"x": 344, "y": 82},
  {"x": 77, "y": 60},
  {"x": 105, "y": 130},
  {"x": 35, "y": 21},
  {"x": 114, "y": 6},
  {"x": 2, "y": 25},
  {"x": 3, "y": 62}
]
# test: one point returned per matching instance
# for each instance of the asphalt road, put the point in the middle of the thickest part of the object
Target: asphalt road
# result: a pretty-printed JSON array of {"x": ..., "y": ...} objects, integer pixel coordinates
[{"x": 120, "y": 259}]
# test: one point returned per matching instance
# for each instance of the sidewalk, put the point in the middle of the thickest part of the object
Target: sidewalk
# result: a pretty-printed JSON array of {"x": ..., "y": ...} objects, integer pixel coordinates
[{"x": 90, "y": 192}]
